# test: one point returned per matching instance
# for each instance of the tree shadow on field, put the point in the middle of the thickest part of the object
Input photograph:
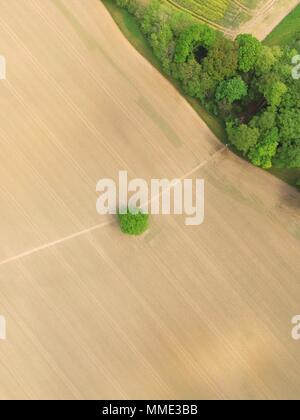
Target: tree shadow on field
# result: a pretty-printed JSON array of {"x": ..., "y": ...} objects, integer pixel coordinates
[{"x": 289, "y": 207}]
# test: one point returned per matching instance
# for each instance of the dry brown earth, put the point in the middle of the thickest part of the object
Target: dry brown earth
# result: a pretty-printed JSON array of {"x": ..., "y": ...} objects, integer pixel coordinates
[{"x": 182, "y": 312}]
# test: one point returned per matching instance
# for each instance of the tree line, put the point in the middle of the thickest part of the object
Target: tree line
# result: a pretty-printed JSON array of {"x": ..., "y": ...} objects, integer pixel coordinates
[{"x": 244, "y": 82}]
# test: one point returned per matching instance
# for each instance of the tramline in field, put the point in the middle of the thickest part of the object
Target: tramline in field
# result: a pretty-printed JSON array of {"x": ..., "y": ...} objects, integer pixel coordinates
[
  {"x": 229, "y": 13},
  {"x": 215, "y": 10}
]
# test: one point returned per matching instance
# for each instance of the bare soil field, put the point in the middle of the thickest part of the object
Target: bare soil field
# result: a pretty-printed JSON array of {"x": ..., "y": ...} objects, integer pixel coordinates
[{"x": 182, "y": 312}]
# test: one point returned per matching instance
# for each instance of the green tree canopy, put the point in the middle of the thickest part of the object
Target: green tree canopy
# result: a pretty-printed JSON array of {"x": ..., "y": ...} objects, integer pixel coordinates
[
  {"x": 192, "y": 37},
  {"x": 266, "y": 59},
  {"x": 195, "y": 82},
  {"x": 222, "y": 60},
  {"x": 264, "y": 151},
  {"x": 163, "y": 45},
  {"x": 273, "y": 90},
  {"x": 231, "y": 90},
  {"x": 249, "y": 49},
  {"x": 134, "y": 222},
  {"x": 288, "y": 155},
  {"x": 242, "y": 137},
  {"x": 266, "y": 120},
  {"x": 289, "y": 123}
]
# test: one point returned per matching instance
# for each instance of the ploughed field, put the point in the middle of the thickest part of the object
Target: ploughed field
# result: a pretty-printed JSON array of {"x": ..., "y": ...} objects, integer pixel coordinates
[{"x": 182, "y": 312}]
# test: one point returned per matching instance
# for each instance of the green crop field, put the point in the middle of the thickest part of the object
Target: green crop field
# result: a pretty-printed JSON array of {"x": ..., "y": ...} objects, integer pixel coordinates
[
  {"x": 229, "y": 14},
  {"x": 252, "y": 4},
  {"x": 214, "y": 10},
  {"x": 223, "y": 12}
]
